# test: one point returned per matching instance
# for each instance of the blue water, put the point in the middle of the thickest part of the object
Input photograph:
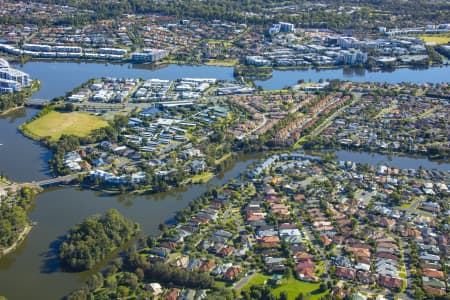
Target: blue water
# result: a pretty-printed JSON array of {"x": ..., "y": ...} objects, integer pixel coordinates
[{"x": 57, "y": 78}]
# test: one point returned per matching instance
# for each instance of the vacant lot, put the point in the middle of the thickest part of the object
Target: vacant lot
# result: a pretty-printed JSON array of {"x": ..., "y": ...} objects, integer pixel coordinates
[{"x": 55, "y": 124}]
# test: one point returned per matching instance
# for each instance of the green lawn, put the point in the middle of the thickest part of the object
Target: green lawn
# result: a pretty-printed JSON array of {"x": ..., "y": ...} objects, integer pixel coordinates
[
  {"x": 221, "y": 284},
  {"x": 223, "y": 158},
  {"x": 202, "y": 178},
  {"x": 55, "y": 124},
  {"x": 292, "y": 286},
  {"x": 257, "y": 279},
  {"x": 405, "y": 205},
  {"x": 222, "y": 62},
  {"x": 439, "y": 39},
  {"x": 298, "y": 144}
]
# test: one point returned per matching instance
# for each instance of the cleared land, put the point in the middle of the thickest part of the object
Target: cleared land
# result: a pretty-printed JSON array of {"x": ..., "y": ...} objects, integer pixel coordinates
[
  {"x": 439, "y": 39},
  {"x": 55, "y": 124}
]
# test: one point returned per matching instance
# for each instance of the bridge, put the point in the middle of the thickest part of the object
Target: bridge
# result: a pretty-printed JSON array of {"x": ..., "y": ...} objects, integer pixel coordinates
[
  {"x": 37, "y": 102},
  {"x": 51, "y": 181}
]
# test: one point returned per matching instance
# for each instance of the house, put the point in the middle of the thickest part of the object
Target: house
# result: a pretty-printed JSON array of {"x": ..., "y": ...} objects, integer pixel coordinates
[
  {"x": 197, "y": 166},
  {"x": 226, "y": 251},
  {"x": 160, "y": 251},
  {"x": 221, "y": 269},
  {"x": 366, "y": 277},
  {"x": 326, "y": 241},
  {"x": 305, "y": 270},
  {"x": 432, "y": 273},
  {"x": 154, "y": 288},
  {"x": 434, "y": 283},
  {"x": 172, "y": 294},
  {"x": 207, "y": 266},
  {"x": 275, "y": 264},
  {"x": 232, "y": 272},
  {"x": 188, "y": 294},
  {"x": 390, "y": 282},
  {"x": 193, "y": 264},
  {"x": 201, "y": 294},
  {"x": 345, "y": 273},
  {"x": 181, "y": 262},
  {"x": 434, "y": 291},
  {"x": 429, "y": 257},
  {"x": 3, "y": 195},
  {"x": 269, "y": 241}
]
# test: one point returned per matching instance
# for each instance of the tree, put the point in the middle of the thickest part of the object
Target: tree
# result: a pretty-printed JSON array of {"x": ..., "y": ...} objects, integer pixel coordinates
[
  {"x": 69, "y": 107},
  {"x": 95, "y": 281},
  {"x": 283, "y": 296},
  {"x": 300, "y": 296},
  {"x": 111, "y": 282},
  {"x": 162, "y": 227},
  {"x": 81, "y": 294},
  {"x": 323, "y": 287}
]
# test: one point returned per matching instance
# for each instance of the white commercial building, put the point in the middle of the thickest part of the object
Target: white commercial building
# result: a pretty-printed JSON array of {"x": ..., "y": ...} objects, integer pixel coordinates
[
  {"x": 12, "y": 80},
  {"x": 149, "y": 55}
]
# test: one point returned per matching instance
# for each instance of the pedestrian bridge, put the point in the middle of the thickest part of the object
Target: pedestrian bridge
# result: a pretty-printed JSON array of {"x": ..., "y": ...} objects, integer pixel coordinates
[
  {"x": 51, "y": 181},
  {"x": 37, "y": 102}
]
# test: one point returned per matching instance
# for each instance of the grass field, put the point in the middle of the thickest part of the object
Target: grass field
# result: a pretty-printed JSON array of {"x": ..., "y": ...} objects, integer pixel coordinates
[
  {"x": 222, "y": 159},
  {"x": 406, "y": 205},
  {"x": 292, "y": 287},
  {"x": 439, "y": 39},
  {"x": 202, "y": 178},
  {"x": 55, "y": 124},
  {"x": 257, "y": 279},
  {"x": 222, "y": 62}
]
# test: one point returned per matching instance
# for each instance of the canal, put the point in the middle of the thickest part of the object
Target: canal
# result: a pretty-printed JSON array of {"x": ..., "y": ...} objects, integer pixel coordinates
[{"x": 32, "y": 270}]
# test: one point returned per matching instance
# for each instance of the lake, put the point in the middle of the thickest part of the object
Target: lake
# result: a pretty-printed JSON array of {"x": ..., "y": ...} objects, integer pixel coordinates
[
  {"x": 401, "y": 162},
  {"x": 58, "y": 78},
  {"x": 285, "y": 78}
]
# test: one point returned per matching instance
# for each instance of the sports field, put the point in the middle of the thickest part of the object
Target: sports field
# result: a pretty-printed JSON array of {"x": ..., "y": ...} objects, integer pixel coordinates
[{"x": 55, "y": 124}]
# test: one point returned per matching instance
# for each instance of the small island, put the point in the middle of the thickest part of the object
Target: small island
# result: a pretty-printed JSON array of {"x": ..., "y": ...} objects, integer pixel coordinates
[{"x": 94, "y": 239}]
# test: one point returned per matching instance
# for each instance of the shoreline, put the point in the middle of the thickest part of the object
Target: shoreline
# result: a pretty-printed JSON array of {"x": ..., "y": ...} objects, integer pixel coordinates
[
  {"x": 22, "y": 236},
  {"x": 215, "y": 63},
  {"x": 10, "y": 110}
]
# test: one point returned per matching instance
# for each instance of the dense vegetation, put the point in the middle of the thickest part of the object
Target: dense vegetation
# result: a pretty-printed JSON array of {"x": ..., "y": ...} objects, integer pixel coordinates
[
  {"x": 91, "y": 241},
  {"x": 373, "y": 13},
  {"x": 13, "y": 216},
  {"x": 125, "y": 278},
  {"x": 8, "y": 101}
]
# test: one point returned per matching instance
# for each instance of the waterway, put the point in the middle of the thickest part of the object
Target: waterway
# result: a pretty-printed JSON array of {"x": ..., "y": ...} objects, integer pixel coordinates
[
  {"x": 21, "y": 159},
  {"x": 401, "y": 162},
  {"x": 32, "y": 271},
  {"x": 284, "y": 78},
  {"x": 57, "y": 78}
]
